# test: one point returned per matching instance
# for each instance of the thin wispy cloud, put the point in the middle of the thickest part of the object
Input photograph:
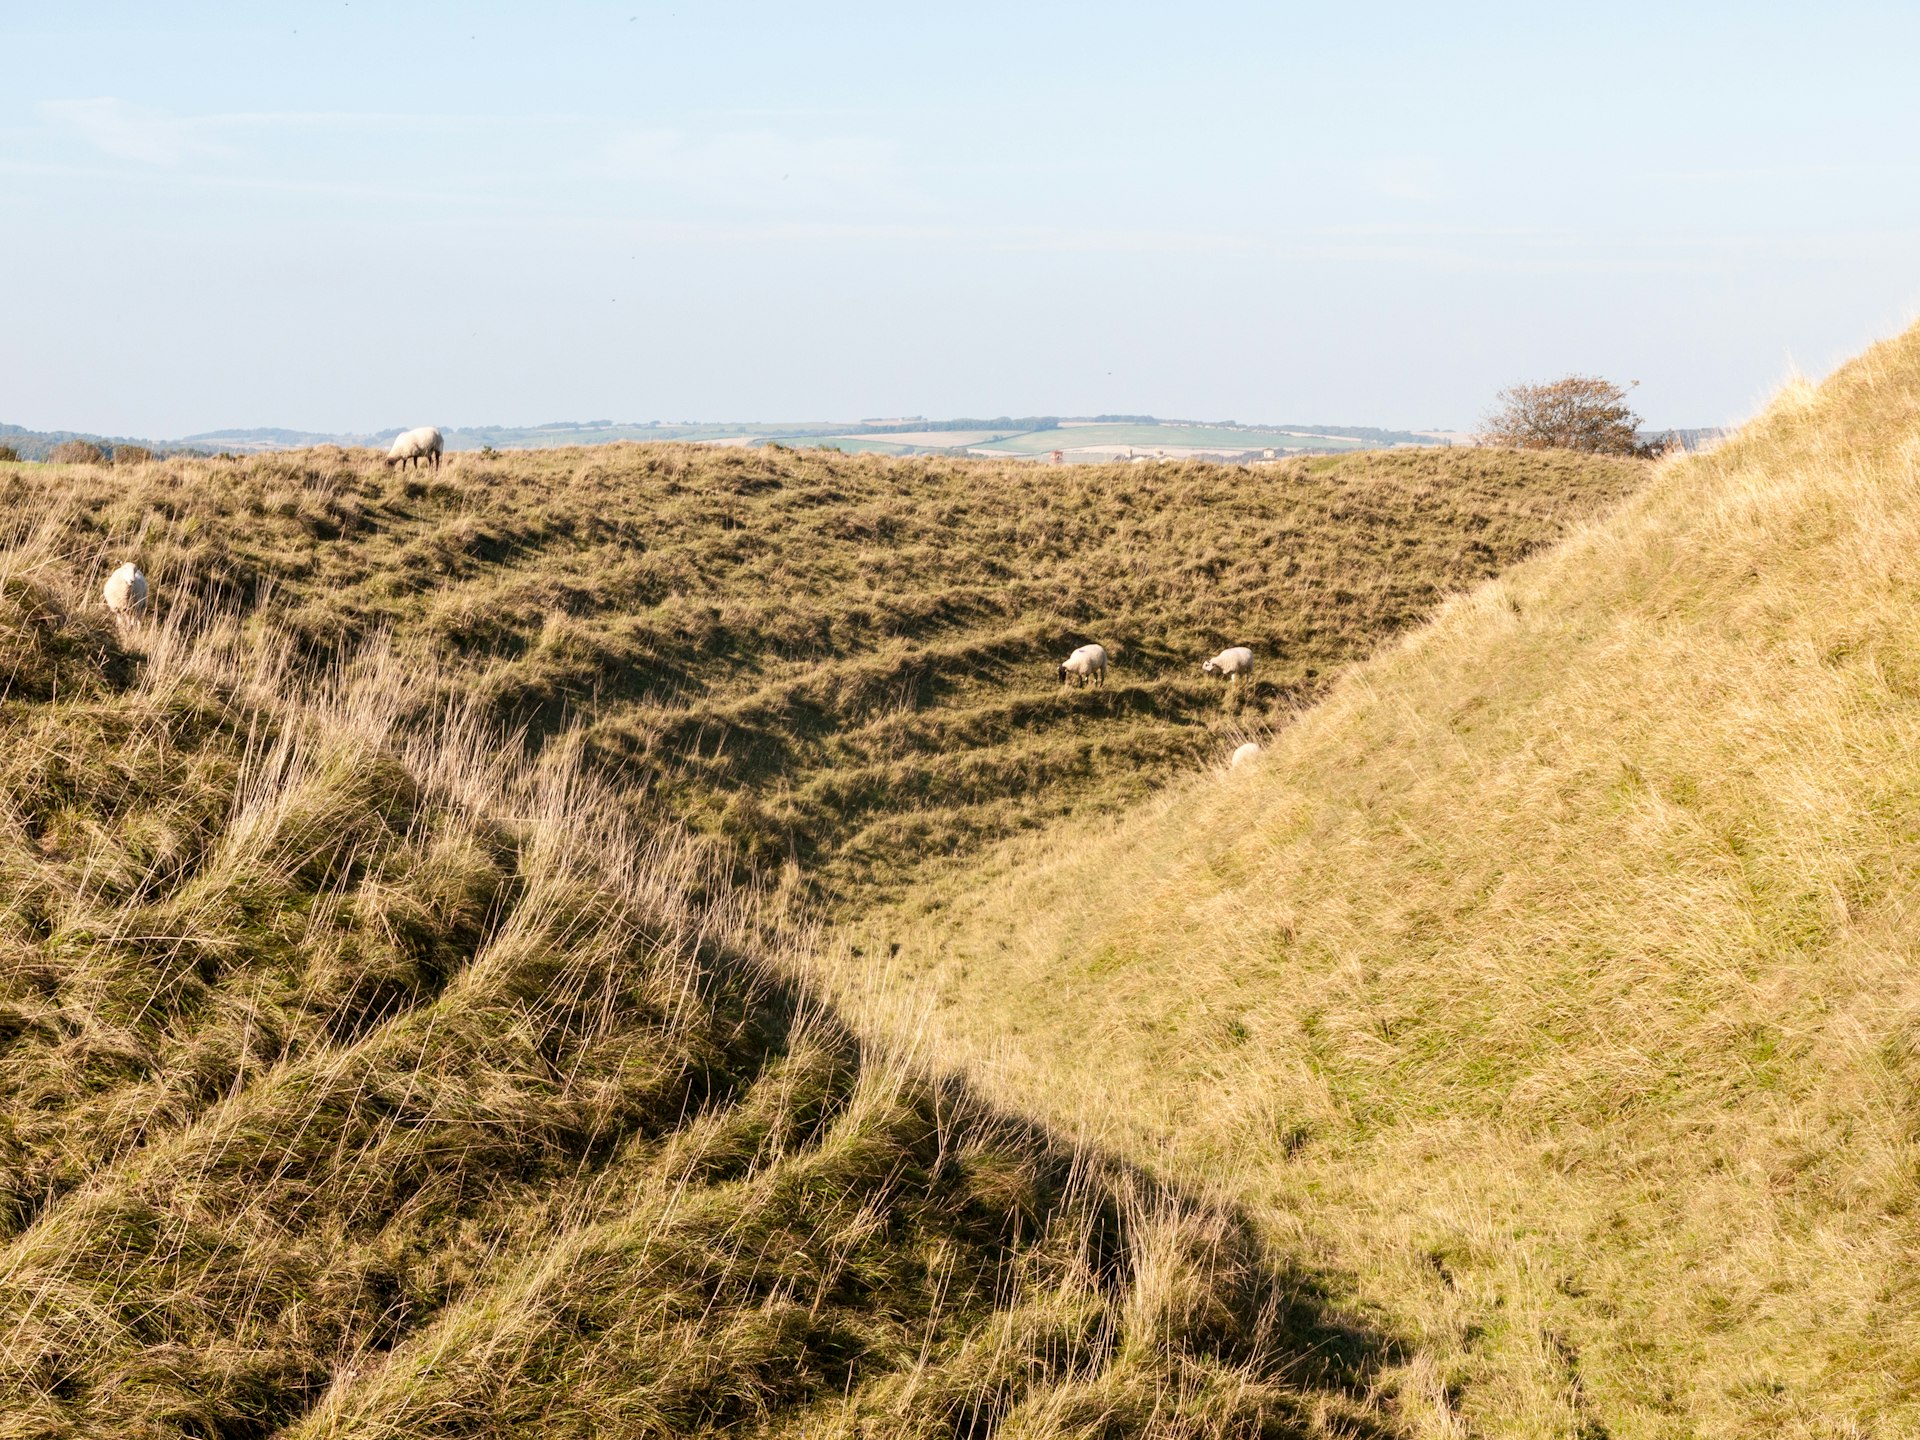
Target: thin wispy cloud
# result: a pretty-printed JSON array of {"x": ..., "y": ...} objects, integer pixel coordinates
[
  {"x": 758, "y": 166},
  {"x": 1410, "y": 179},
  {"x": 133, "y": 132},
  {"x": 188, "y": 182},
  {"x": 1109, "y": 240},
  {"x": 169, "y": 141}
]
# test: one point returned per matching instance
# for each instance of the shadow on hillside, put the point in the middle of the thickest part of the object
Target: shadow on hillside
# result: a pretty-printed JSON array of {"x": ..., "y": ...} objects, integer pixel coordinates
[{"x": 1204, "y": 1329}]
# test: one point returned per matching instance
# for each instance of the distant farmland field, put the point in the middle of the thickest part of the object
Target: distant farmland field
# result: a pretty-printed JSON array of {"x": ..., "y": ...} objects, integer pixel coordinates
[
  {"x": 936, "y": 439},
  {"x": 1162, "y": 437}
]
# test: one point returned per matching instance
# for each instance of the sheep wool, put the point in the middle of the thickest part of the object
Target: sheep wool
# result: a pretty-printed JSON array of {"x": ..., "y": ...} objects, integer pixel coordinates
[
  {"x": 1236, "y": 663},
  {"x": 126, "y": 590},
  {"x": 1087, "y": 665},
  {"x": 414, "y": 446}
]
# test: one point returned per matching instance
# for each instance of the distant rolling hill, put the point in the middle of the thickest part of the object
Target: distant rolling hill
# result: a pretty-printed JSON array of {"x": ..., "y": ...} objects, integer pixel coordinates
[
  {"x": 1098, "y": 438},
  {"x": 38, "y": 444}
]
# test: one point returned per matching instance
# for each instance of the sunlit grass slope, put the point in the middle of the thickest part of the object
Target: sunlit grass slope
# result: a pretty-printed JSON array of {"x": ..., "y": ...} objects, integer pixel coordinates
[
  {"x": 1557, "y": 980},
  {"x": 834, "y": 666},
  {"x": 357, "y": 1079}
]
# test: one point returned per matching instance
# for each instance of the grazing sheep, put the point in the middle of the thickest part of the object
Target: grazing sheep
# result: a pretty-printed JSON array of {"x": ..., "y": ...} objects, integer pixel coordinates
[
  {"x": 416, "y": 445},
  {"x": 1236, "y": 663},
  {"x": 125, "y": 591},
  {"x": 1241, "y": 756},
  {"x": 1088, "y": 664}
]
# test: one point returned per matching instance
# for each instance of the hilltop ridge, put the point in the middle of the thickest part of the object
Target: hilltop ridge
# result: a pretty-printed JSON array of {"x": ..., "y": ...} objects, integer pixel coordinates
[{"x": 1554, "y": 977}]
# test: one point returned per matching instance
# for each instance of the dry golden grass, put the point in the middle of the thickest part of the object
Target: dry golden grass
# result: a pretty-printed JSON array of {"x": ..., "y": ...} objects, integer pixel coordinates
[
  {"x": 1554, "y": 981},
  {"x": 365, "y": 1073},
  {"x": 360, "y": 1078},
  {"x": 836, "y": 666}
]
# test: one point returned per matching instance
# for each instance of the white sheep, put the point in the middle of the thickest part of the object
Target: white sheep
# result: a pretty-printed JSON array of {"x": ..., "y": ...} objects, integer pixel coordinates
[
  {"x": 1088, "y": 664},
  {"x": 416, "y": 445},
  {"x": 1236, "y": 663},
  {"x": 1241, "y": 756},
  {"x": 125, "y": 591}
]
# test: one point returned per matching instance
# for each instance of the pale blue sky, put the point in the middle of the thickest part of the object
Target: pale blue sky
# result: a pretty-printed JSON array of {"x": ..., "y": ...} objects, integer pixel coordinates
[{"x": 347, "y": 216}]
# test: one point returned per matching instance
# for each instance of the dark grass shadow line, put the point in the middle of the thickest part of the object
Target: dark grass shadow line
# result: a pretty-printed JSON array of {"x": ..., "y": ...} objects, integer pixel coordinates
[{"x": 1255, "y": 1309}]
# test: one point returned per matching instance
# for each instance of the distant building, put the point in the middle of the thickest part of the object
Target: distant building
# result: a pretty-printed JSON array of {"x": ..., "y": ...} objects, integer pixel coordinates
[{"x": 1059, "y": 457}]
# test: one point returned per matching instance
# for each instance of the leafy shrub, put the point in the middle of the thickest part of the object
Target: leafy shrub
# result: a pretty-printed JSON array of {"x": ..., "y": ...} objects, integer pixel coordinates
[
  {"x": 1579, "y": 412},
  {"x": 77, "y": 452}
]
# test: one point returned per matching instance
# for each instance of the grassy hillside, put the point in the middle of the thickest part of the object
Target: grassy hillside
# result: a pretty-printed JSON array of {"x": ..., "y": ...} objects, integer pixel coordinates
[
  {"x": 357, "y": 1079},
  {"x": 1554, "y": 981},
  {"x": 364, "y": 1071},
  {"x": 831, "y": 666}
]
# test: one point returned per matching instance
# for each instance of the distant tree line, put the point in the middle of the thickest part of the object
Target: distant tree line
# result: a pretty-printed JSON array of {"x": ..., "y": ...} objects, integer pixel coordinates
[{"x": 73, "y": 448}]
